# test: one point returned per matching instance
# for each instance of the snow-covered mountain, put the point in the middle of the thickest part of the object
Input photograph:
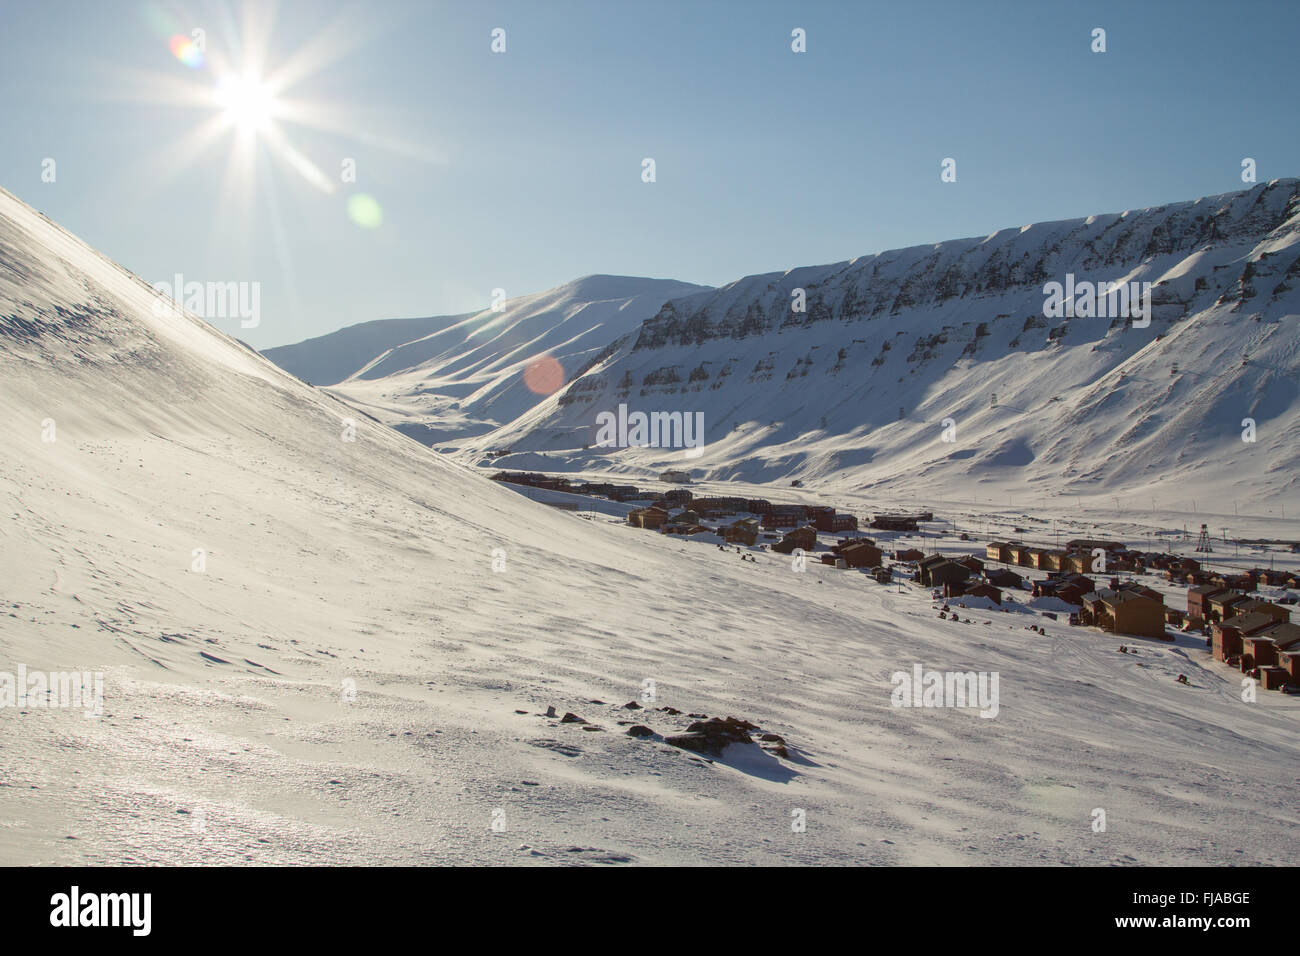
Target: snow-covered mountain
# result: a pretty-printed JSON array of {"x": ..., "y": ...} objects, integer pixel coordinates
[
  {"x": 897, "y": 352},
  {"x": 328, "y": 359},
  {"x": 443, "y": 379}
]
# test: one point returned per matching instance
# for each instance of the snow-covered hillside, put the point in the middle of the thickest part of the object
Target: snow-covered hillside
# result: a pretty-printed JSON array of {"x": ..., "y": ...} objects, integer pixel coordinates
[
  {"x": 445, "y": 379},
  {"x": 328, "y": 359},
  {"x": 324, "y": 650},
  {"x": 857, "y": 392}
]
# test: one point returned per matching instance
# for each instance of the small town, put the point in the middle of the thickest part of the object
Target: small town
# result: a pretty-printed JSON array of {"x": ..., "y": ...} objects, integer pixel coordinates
[{"x": 1091, "y": 583}]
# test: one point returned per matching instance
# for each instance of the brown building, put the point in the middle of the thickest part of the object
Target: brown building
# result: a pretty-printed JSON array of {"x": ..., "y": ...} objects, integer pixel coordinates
[
  {"x": 860, "y": 554},
  {"x": 1040, "y": 560},
  {"x": 1253, "y": 606},
  {"x": 1262, "y": 648},
  {"x": 681, "y": 497},
  {"x": 744, "y": 531},
  {"x": 1220, "y": 605},
  {"x": 1124, "y": 612},
  {"x": 826, "y": 519},
  {"x": 1003, "y": 578},
  {"x": 945, "y": 572},
  {"x": 717, "y": 507},
  {"x": 1274, "y": 678},
  {"x": 651, "y": 518},
  {"x": 1289, "y": 660},
  {"x": 1069, "y": 587},
  {"x": 1141, "y": 589},
  {"x": 895, "y": 522},
  {"x": 1226, "y": 636},
  {"x": 909, "y": 554},
  {"x": 1078, "y": 562},
  {"x": 784, "y": 516},
  {"x": 805, "y": 538},
  {"x": 1275, "y": 579},
  {"x": 1007, "y": 551},
  {"x": 957, "y": 589},
  {"x": 1235, "y": 582},
  {"x": 1198, "y": 610},
  {"x": 1091, "y": 544},
  {"x": 843, "y": 522},
  {"x": 924, "y": 564}
]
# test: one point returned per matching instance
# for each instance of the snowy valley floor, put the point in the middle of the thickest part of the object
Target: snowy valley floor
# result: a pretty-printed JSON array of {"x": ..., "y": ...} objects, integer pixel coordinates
[{"x": 314, "y": 579}]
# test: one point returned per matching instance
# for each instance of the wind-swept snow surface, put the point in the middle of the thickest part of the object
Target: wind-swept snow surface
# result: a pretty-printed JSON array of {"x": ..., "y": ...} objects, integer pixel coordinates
[{"x": 314, "y": 652}]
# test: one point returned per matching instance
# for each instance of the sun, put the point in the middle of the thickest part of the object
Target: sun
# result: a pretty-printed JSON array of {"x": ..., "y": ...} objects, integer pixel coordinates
[{"x": 246, "y": 102}]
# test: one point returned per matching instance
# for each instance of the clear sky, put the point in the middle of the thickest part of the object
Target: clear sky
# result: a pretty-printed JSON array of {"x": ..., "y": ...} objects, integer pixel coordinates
[{"x": 523, "y": 169}]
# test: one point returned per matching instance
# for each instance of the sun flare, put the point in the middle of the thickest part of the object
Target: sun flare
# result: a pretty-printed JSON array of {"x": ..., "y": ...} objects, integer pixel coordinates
[{"x": 246, "y": 101}]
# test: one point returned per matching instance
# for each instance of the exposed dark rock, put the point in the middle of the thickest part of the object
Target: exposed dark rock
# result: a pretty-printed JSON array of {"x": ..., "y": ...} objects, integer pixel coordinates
[
  {"x": 640, "y": 730},
  {"x": 570, "y": 718},
  {"x": 713, "y": 736}
]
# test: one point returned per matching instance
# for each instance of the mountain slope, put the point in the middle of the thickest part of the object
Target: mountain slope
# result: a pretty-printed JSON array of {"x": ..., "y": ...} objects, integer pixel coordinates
[
  {"x": 442, "y": 380},
  {"x": 329, "y": 359},
  {"x": 854, "y": 392}
]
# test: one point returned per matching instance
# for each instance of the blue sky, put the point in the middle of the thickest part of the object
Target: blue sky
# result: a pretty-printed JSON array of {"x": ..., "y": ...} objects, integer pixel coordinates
[{"x": 522, "y": 170}]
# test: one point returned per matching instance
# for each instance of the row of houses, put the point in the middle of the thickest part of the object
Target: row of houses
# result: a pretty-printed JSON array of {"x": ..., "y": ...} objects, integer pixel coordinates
[
  {"x": 822, "y": 518},
  {"x": 1249, "y": 580},
  {"x": 964, "y": 576},
  {"x": 1259, "y": 638},
  {"x": 894, "y": 522},
  {"x": 772, "y": 516},
  {"x": 1076, "y": 557},
  {"x": 1131, "y": 609},
  {"x": 1256, "y": 636},
  {"x": 1210, "y": 603},
  {"x": 603, "y": 489}
]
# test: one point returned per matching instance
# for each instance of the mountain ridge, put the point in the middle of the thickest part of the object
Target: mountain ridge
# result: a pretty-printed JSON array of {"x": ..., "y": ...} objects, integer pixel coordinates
[{"x": 900, "y": 341}]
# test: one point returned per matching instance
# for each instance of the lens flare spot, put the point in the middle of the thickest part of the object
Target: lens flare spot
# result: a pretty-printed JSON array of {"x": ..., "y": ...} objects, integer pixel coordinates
[
  {"x": 186, "y": 50},
  {"x": 365, "y": 211},
  {"x": 544, "y": 375}
]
